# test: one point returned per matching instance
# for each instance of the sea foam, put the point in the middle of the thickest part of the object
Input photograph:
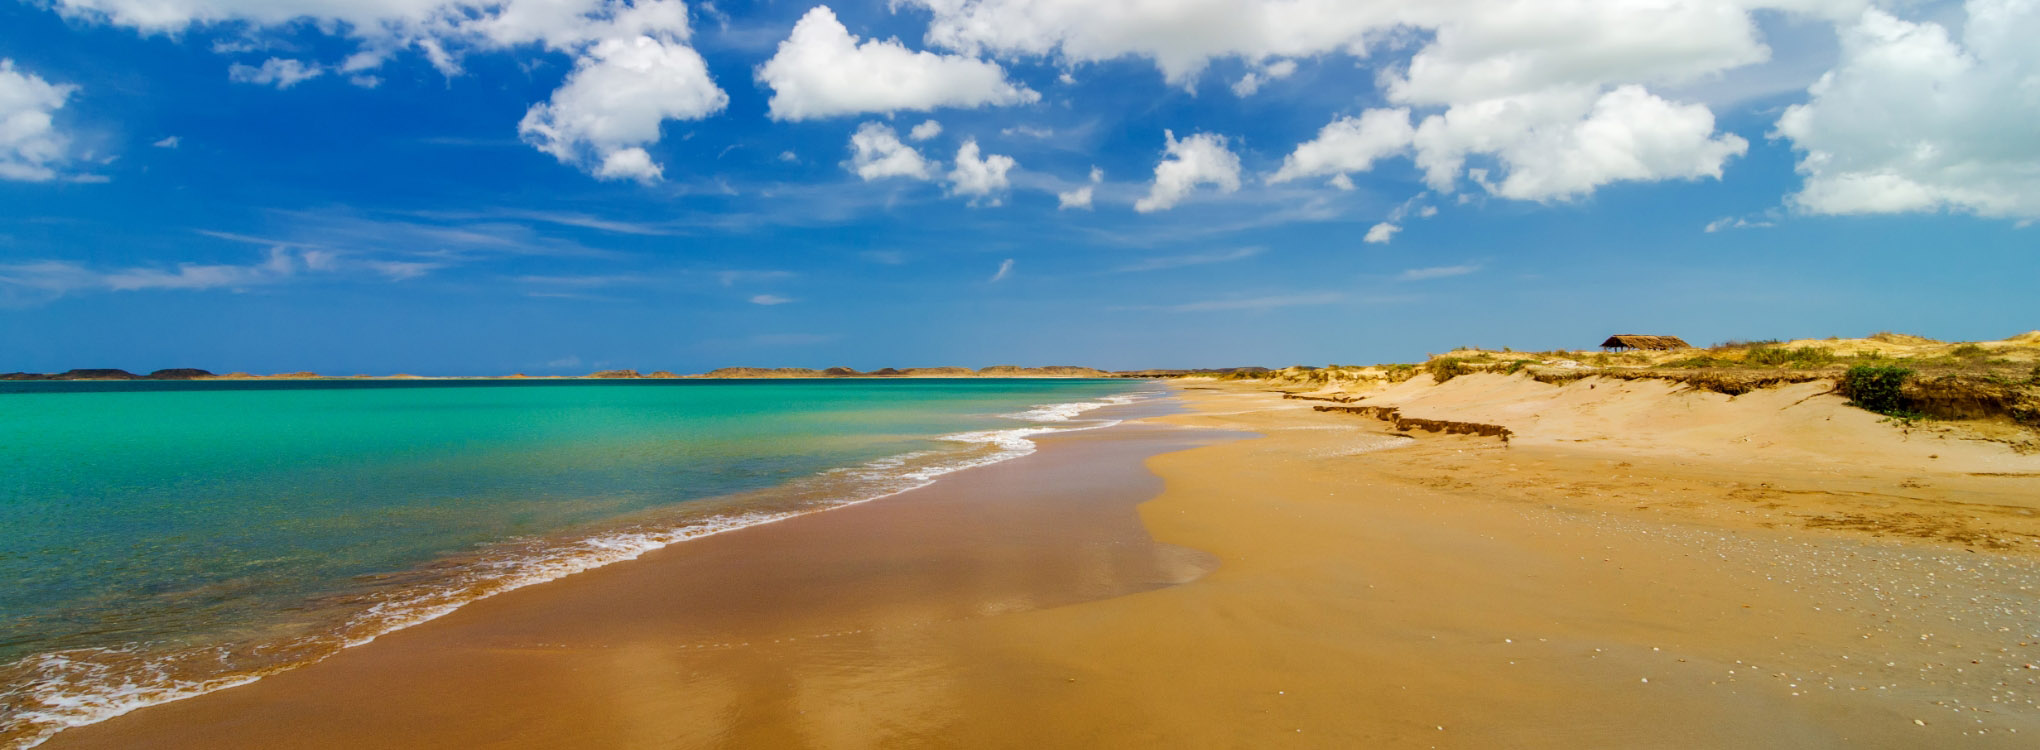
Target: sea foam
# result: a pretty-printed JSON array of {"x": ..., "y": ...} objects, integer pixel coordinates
[{"x": 47, "y": 693}]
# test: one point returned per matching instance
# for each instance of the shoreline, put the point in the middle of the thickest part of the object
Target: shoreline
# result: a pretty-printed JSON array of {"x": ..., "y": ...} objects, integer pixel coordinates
[
  {"x": 67, "y": 689},
  {"x": 476, "y": 627},
  {"x": 1330, "y": 583}
]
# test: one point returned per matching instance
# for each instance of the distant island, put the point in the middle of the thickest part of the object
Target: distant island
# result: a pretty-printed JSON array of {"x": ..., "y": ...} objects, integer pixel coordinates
[{"x": 726, "y": 373}]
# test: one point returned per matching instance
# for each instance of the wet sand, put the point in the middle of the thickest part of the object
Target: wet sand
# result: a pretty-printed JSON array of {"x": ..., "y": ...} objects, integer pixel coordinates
[{"x": 1370, "y": 590}]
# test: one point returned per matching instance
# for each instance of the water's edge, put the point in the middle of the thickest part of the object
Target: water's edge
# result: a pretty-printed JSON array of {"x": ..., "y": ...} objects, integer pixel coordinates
[{"x": 47, "y": 693}]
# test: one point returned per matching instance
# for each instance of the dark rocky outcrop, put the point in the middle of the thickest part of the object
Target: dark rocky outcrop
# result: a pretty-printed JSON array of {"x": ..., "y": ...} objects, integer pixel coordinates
[
  {"x": 180, "y": 373},
  {"x": 96, "y": 374},
  {"x": 614, "y": 375}
]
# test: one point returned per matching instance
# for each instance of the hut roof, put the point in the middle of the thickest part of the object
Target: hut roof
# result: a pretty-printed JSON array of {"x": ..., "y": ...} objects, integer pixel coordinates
[{"x": 1633, "y": 341}]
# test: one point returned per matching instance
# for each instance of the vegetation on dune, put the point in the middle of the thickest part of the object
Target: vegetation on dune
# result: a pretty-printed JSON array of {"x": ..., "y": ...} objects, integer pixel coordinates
[
  {"x": 1805, "y": 356},
  {"x": 1897, "y": 375},
  {"x": 1878, "y": 388},
  {"x": 1447, "y": 368}
]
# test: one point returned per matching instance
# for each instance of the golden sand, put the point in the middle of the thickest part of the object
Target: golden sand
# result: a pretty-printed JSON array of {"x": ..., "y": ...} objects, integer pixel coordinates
[{"x": 1625, "y": 574}]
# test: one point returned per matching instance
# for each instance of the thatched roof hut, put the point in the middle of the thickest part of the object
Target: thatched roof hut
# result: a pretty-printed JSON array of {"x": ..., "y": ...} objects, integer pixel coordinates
[{"x": 1626, "y": 341}]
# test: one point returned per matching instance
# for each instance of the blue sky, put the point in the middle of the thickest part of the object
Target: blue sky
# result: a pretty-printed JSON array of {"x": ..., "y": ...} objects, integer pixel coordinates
[{"x": 452, "y": 188}]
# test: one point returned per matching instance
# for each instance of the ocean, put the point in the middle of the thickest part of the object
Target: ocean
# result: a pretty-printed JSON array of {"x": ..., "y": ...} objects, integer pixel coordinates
[{"x": 166, "y": 539}]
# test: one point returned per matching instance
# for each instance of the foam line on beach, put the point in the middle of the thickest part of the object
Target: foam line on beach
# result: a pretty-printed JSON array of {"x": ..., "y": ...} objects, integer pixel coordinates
[{"x": 50, "y": 692}]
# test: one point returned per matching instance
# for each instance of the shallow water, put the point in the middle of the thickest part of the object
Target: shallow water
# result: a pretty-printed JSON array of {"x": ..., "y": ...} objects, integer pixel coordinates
[{"x": 166, "y": 539}]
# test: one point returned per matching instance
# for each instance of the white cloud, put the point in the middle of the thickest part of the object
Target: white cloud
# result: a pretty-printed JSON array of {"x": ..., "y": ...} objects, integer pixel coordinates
[
  {"x": 280, "y": 72},
  {"x": 1254, "y": 79},
  {"x": 1201, "y": 159},
  {"x": 1350, "y": 144},
  {"x": 633, "y": 68},
  {"x": 31, "y": 147},
  {"x": 1028, "y": 131},
  {"x": 1560, "y": 145},
  {"x": 978, "y": 177},
  {"x": 1005, "y": 269},
  {"x": 629, "y": 164},
  {"x": 1380, "y": 234},
  {"x": 821, "y": 70},
  {"x": 169, "y": 142},
  {"x": 1438, "y": 272},
  {"x": 925, "y": 131},
  {"x": 877, "y": 153},
  {"x": 1078, "y": 198},
  {"x": 1544, "y": 41},
  {"x": 789, "y": 157},
  {"x": 770, "y": 299},
  {"x": 1912, "y": 120},
  {"x": 1181, "y": 37},
  {"x": 1516, "y": 80},
  {"x": 615, "y": 101}
]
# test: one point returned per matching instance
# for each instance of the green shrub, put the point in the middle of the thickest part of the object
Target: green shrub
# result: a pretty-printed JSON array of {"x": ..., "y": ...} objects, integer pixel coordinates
[
  {"x": 1447, "y": 368},
  {"x": 1877, "y": 388},
  {"x": 1518, "y": 365},
  {"x": 1968, "y": 351},
  {"x": 2035, "y": 379},
  {"x": 1806, "y": 356}
]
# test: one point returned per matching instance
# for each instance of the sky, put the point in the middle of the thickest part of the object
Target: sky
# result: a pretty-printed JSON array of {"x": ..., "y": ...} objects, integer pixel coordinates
[{"x": 450, "y": 187}]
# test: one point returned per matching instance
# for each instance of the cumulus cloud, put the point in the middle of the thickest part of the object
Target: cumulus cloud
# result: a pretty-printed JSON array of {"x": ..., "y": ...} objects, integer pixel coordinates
[
  {"x": 633, "y": 68},
  {"x": 280, "y": 72},
  {"x": 821, "y": 70},
  {"x": 925, "y": 131},
  {"x": 31, "y": 147},
  {"x": 1201, "y": 159},
  {"x": 1494, "y": 78},
  {"x": 977, "y": 177},
  {"x": 1080, "y": 197},
  {"x": 1254, "y": 79},
  {"x": 877, "y": 153},
  {"x": 1912, "y": 120},
  {"x": 1380, "y": 234},
  {"x": 1561, "y": 146},
  {"x": 1350, "y": 144},
  {"x": 1181, "y": 37},
  {"x": 614, "y": 102}
]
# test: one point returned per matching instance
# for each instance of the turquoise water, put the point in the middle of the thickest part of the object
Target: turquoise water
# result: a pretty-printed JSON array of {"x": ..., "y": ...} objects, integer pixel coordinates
[{"x": 164, "y": 539}]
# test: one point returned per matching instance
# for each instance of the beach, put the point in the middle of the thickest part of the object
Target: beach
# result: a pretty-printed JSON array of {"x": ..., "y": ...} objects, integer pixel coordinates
[{"x": 1256, "y": 571}]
